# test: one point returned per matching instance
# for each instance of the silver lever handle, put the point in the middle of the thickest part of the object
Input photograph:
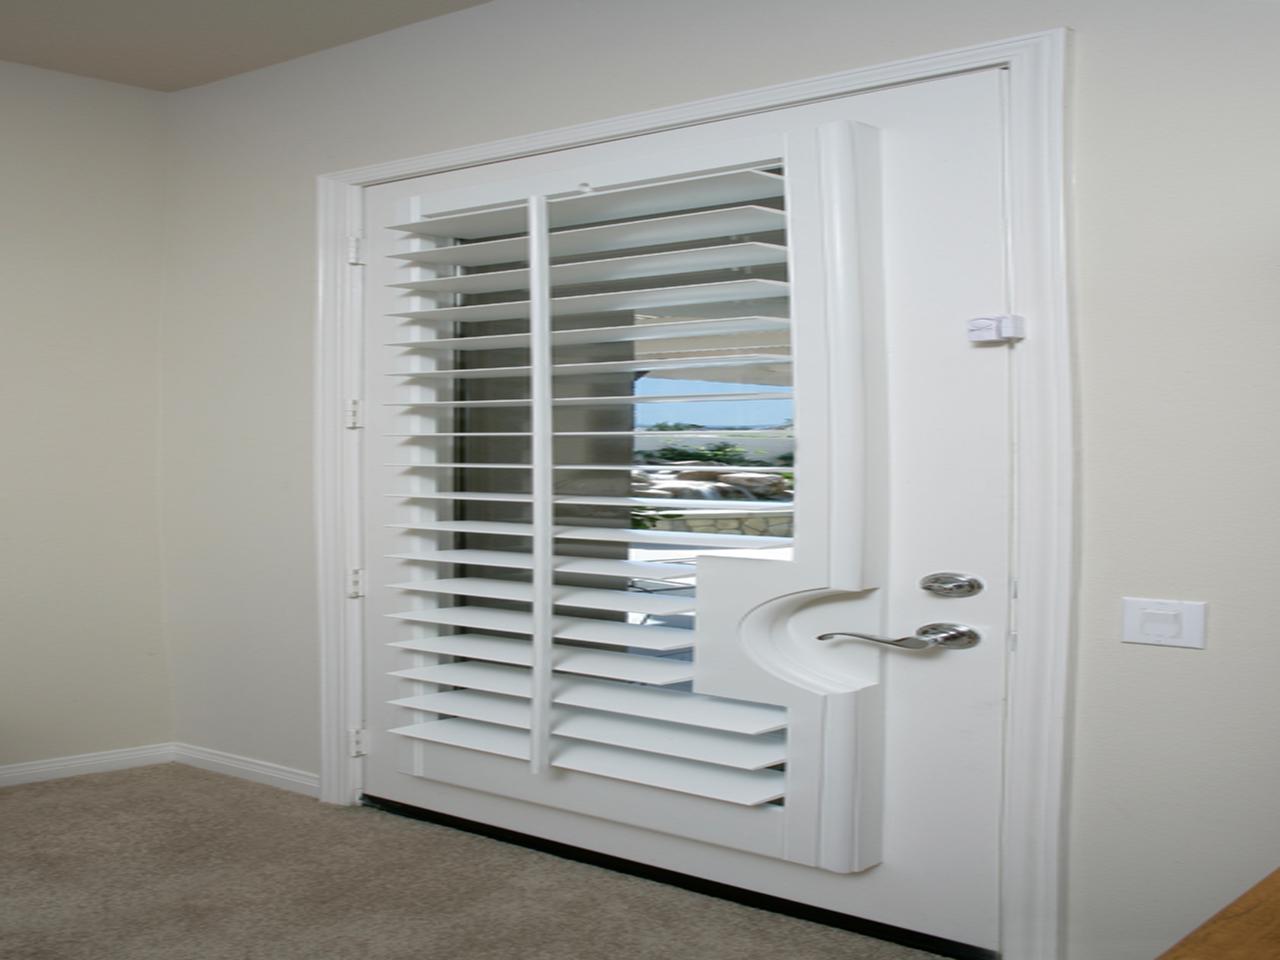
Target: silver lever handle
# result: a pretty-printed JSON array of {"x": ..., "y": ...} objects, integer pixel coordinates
[{"x": 953, "y": 636}]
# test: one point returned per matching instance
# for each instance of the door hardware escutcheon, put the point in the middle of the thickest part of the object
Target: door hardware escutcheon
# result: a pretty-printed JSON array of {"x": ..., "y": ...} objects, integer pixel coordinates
[
  {"x": 951, "y": 584},
  {"x": 953, "y": 636}
]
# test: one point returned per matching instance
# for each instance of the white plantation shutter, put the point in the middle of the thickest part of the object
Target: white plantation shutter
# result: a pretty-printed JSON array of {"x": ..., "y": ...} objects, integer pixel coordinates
[
  {"x": 585, "y": 401},
  {"x": 636, "y": 261}
]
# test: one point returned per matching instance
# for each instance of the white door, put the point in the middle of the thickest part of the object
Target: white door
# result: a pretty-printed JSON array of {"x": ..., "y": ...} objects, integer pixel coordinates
[{"x": 647, "y": 419}]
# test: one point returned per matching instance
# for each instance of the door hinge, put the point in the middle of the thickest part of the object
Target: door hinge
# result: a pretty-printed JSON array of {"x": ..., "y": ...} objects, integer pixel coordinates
[
  {"x": 355, "y": 583},
  {"x": 355, "y": 251},
  {"x": 1004, "y": 328},
  {"x": 351, "y": 415},
  {"x": 356, "y": 746}
]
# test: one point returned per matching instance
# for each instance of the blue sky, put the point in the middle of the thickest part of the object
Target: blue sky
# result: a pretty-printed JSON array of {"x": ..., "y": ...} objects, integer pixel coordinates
[{"x": 731, "y": 413}]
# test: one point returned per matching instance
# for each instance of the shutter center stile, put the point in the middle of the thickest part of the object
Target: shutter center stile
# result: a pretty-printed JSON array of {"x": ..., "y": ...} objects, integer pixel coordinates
[{"x": 543, "y": 483}]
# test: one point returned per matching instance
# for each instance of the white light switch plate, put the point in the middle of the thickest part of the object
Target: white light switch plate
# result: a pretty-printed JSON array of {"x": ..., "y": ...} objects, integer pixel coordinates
[{"x": 1165, "y": 623}]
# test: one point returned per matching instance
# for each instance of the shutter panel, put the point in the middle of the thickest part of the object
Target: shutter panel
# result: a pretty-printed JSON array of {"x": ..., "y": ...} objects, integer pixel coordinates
[
  {"x": 551, "y": 538},
  {"x": 581, "y": 496}
]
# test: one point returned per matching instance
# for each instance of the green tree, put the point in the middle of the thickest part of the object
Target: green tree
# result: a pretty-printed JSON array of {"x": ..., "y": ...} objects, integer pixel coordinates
[
  {"x": 667, "y": 425},
  {"x": 721, "y": 452}
]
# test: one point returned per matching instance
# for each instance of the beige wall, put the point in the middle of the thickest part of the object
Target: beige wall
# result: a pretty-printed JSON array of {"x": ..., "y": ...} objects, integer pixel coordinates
[
  {"x": 82, "y": 665},
  {"x": 1175, "y": 283}
]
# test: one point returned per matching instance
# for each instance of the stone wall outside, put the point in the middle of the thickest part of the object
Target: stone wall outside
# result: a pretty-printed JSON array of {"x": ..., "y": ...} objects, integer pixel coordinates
[{"x": 755, "y": 523}]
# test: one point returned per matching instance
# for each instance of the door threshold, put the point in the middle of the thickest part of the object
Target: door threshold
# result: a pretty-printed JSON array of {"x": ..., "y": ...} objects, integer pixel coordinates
[{"x": 711, "y": 888}]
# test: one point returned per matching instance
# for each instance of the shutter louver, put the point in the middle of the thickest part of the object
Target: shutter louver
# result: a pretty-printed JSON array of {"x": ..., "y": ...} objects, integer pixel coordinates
[{"x": 552, "y": 499}]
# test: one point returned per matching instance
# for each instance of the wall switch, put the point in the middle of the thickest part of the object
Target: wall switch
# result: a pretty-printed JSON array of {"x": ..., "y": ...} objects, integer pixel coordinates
[{"x": 1165, "y": 623}]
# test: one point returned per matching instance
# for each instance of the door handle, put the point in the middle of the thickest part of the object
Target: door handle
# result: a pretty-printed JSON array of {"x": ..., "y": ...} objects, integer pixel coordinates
[{"x": 953, "y": 636}]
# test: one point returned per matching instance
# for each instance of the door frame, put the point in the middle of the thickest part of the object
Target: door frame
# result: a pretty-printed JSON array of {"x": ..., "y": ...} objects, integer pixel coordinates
[{"x": 1032, "y": 821}]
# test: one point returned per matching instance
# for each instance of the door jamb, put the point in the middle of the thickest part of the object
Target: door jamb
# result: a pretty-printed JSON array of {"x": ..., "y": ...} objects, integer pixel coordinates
[{"x": 1032, "y": 825}]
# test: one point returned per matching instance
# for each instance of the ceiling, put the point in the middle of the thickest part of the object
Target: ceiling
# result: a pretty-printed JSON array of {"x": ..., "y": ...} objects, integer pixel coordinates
[{"x": 174, "y": 44}]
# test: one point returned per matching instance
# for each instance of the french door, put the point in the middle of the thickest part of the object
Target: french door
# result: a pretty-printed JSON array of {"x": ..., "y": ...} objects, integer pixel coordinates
[{"x": 663, "y": 438}]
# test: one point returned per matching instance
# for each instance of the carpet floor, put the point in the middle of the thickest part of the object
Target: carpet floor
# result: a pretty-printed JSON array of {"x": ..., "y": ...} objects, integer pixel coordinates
[{"x": 176, "y": 863}]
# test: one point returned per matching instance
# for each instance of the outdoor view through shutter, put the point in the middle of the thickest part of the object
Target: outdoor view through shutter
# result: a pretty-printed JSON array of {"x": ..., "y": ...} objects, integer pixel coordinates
[{"x": 585, "y": 410}]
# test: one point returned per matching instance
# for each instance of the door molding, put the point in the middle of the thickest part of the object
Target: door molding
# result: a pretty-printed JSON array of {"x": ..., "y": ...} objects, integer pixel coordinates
[{"x": 1043, "y": 540}]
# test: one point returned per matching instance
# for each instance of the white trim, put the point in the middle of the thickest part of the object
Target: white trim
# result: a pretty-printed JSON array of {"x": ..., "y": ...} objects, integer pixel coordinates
[
  {"x": 246, "y": 768},
  {"x": 1032, "y": 841},
  {"x": 103, "y": 761},
  {"x": 1033, "y": 818},
  {"x": 337, "y": 490},
  {"x": 218, "y": 761}
]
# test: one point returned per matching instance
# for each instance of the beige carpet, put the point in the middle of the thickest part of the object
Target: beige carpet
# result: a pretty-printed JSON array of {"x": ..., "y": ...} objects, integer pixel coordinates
[{"x": 175, "y": 863}]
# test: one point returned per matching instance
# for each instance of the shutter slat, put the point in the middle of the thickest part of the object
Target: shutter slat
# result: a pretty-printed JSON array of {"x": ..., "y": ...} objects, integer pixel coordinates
[
  {"x": 624, "y": 601},
  {"x": 477, "y": 645},
  {"x": 748, "y": 788},
  {"x": 461, "y": 466},
  {"x": 577, "y": 660},
  {"x": 606, "y": 366},
  {"x": 607, "y": 632},
  {"x": 651, "y": 232},
  {"x": 709, "y": 434},
  {"x": 481, "y": 433},
  {"x": 617, "y": 600},
  {"x": 728, "y": 291},
  {"x": 597, "y": 401},
  {"x": 628, "y": 203},
  {"x": 473, "y": 705},
  {"x": 663, "y": 538},
  {"x": 741, "y": 186},
  {"x": 623, "y": 333},
  {"x": 672, "y": 398},
  {"x": 469, "y": 224},
  {"x": 473, "y": 735},
  {"x": 653, "y": 736},
  {"x": 623, "y": 666},
  {"x": 461, "y": 405},
  {"x": 464, "y": 496},
  {"x": 666, "y": 467},
  {"x": 489, "y": 677},
  {"x": 614, "y": 634},
  {"x": 731, "y": 506},
  {"x": 638, "y": 266},
  {"x": 469, "y": 526},
  {"x": 474, "y": 618},
  {"x": 670, "y": 538},
  {"x": 693, "y": 709},
  {"x": 673, "y": 363},
  {"x": 662, "y": 434},
  {"x": 636, "y": 569}
]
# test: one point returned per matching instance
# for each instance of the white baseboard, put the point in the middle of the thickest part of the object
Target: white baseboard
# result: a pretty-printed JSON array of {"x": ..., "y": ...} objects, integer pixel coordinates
[
  {"x": 53, "y": 769},
  {"x": 246, "y": 768},
  {"x": 218, "y": 761}
]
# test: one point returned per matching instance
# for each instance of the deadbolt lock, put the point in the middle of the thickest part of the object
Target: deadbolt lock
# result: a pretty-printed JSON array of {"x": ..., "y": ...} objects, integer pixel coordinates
[{"x": 951, "y": 585}]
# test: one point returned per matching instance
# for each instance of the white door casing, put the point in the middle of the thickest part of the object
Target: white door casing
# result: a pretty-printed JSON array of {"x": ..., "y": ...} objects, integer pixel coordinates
[{"x": 968, "y": 502}]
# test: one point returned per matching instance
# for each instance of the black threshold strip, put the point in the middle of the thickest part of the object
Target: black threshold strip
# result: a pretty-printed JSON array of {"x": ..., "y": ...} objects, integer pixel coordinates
[{"x": 710, "y": 888}]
